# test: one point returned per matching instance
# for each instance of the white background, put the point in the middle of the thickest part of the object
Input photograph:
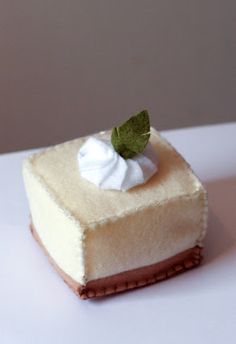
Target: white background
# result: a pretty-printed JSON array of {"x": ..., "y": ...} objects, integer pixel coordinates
[{"x": 196, "y": 307}]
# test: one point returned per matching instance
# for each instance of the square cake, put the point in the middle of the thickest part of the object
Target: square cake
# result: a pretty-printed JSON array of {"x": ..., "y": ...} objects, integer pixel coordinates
[{"x": 106, "y": 241}]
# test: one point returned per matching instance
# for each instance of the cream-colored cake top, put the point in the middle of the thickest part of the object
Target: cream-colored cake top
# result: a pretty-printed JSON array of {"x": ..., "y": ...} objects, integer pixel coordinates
[{"x": 58, "y": 169}]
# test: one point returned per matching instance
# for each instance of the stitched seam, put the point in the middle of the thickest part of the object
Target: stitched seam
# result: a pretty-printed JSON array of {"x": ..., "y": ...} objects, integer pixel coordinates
[
  {"x": 93, "y": 225},
  {"x": 188, "y": 263},
  {"x": 203, "y": 220}
]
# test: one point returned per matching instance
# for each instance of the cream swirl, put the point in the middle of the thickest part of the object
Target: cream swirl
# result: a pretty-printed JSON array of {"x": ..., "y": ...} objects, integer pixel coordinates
[{"x": 100, "y": 164}]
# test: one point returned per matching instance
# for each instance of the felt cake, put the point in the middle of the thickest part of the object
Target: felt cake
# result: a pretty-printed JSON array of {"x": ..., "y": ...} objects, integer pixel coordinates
[{"x": 104, "y": 241}]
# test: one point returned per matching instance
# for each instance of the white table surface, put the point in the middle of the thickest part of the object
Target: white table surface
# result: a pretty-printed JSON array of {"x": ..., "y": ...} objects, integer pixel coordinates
[{"x": 196, "y": 307}]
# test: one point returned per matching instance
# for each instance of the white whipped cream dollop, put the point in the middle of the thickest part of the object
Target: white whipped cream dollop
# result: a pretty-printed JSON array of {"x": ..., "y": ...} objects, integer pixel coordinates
[{"x": 100, "y": 164}]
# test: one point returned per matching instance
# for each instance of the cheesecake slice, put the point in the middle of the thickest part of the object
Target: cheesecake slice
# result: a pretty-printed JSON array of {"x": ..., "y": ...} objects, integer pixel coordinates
[{"x": 107, "y": 241}]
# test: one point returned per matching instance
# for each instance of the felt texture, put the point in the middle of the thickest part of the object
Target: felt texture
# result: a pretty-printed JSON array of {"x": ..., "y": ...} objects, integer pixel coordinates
[{"x": 93, "y": 233}]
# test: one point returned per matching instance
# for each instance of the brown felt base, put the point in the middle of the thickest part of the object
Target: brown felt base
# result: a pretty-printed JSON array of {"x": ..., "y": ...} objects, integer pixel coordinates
[{"x": 129, "y": 279}]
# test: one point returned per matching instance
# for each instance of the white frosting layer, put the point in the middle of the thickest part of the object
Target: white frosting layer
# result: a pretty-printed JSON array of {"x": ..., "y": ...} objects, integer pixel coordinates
[{"x": 100, "y": 164}]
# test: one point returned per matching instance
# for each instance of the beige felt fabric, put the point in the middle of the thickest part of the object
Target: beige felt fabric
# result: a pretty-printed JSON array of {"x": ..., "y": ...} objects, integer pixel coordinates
[
  {"x": 58, "y": 167},
  {"x": 105, "y": 232}
]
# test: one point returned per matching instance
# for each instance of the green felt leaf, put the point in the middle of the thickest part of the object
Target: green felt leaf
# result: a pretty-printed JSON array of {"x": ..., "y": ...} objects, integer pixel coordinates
[{"x": 131, "y": 137}]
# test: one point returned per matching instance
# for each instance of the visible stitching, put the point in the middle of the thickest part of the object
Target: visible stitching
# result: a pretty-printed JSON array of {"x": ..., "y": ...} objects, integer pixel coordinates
[
  {"x": 93, "y": 225},
  {"x": 203, "y": 221},
  {"x": 187, "y": 196},
  {"x": 188, "y": 263}
]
